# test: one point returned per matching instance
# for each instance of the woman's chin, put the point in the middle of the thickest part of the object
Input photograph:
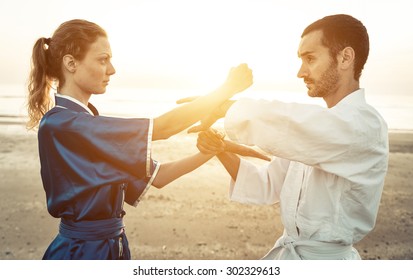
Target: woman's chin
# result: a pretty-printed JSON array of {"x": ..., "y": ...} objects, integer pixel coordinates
[{"x": 102, "y": 91}]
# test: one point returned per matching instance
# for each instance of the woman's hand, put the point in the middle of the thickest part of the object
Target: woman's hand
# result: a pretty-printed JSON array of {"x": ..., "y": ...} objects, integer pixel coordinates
[
  {"x": 210, "y": 142},
  {"x": 239, "y": 78}
]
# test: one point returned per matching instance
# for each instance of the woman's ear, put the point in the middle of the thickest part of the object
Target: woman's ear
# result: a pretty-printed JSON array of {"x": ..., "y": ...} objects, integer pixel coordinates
[{"x": 69, "y": 63}]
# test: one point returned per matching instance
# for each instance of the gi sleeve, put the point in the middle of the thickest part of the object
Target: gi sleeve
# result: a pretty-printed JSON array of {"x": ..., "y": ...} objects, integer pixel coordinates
[
  {"x": 345, "y": 140},
  {"x": 259, "y": 184}
]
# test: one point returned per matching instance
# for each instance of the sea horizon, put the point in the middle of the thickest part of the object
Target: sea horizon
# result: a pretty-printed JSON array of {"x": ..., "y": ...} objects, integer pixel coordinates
[{"x": 152, "y": 102}]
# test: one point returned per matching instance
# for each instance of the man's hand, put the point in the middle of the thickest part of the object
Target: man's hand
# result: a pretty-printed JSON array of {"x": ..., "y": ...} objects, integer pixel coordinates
[
  {"x": 243, "y": 150},
  {"x": 212, "y": 142}
]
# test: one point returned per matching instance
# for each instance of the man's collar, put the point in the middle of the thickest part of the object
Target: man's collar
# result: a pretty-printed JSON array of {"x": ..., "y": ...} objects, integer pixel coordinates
[{"x": 356, "y": 96}]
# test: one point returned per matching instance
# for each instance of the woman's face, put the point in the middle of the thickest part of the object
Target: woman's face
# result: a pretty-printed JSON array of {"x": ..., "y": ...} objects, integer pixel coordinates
[{"x": 93, "y": 73}]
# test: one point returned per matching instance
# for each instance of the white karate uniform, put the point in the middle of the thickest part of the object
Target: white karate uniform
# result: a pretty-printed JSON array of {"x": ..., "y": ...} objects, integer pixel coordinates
[{"x": 327, "y": 172}]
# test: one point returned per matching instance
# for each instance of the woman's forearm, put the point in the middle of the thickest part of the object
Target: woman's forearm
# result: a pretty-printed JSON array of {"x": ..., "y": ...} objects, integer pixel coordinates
[
  {"x": 171, "y": 171},
  {"x": 188, "y": 114}
]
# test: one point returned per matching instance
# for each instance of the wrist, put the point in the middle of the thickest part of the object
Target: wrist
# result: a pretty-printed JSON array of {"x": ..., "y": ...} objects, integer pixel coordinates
[
  {"x": 224, "y": 107},
  {"x": 227, "y": 91}
]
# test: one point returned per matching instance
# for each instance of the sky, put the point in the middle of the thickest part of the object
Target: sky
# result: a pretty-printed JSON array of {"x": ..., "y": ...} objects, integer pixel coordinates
[{"x": 184, "y": 43}]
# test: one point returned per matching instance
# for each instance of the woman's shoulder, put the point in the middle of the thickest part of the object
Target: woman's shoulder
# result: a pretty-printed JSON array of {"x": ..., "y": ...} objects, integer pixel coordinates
[{"x": 59, "y": 118}]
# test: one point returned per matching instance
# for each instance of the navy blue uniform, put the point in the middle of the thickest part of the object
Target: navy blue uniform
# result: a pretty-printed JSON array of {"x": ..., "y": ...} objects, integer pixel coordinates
[{"x": 90, "y": 166}]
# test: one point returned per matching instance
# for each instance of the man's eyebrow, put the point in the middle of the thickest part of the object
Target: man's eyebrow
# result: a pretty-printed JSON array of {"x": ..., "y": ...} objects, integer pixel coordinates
[
  {"x": 304, "y": 53},
  {"x": 105, "y": 54}
]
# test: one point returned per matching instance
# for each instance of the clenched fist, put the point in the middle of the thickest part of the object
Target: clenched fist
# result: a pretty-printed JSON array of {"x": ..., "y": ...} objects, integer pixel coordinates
[{"x": 239, "y": 78}]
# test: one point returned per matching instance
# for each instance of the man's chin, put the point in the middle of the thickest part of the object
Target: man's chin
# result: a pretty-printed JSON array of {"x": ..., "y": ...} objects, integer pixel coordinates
[{"x": 312, "y": 93}]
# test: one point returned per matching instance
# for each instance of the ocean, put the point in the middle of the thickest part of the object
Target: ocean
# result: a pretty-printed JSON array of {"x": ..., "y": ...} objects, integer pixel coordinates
[{"x": 397, "y": 110}]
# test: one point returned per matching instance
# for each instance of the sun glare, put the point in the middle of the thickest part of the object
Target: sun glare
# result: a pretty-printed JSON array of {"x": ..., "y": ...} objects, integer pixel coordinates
[{"x": 195, "y": 43}]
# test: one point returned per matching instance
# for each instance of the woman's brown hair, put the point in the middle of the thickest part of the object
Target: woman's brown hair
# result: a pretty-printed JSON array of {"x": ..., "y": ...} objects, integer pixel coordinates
[{"x": 72, "y": 37}]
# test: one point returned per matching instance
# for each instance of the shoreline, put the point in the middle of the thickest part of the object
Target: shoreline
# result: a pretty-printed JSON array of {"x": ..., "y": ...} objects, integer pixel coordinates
[{"x": 20, "y": 120}]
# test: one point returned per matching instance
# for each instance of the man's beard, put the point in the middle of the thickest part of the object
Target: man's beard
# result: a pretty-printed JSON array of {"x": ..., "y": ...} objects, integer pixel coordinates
[{"x": 326, "y": 84}]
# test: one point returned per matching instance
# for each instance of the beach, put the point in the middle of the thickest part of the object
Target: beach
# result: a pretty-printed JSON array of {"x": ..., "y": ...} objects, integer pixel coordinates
[{"x": 192, "y": 218}]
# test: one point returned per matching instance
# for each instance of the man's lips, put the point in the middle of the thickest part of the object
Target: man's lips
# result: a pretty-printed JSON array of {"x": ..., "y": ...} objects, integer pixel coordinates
[{"x": 308, "y": 83}]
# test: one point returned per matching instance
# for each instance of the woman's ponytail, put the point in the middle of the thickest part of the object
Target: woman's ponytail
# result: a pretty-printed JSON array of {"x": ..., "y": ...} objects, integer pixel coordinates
[{"x": 39, "y": 101}]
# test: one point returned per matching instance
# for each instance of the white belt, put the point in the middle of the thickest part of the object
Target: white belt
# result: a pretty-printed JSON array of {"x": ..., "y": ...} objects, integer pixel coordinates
[{"x": 307, "y": 249}]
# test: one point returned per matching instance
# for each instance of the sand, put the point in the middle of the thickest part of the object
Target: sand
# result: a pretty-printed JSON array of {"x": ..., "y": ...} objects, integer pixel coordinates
[{"x": 191, "y": 218}]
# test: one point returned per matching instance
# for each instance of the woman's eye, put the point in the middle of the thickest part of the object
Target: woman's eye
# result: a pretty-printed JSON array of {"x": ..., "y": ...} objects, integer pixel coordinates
[{"x": 104, "y": 60}]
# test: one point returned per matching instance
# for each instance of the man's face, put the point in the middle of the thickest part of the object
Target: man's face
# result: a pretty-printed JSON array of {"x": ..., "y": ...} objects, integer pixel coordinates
[{"x": 318, "y": 69}]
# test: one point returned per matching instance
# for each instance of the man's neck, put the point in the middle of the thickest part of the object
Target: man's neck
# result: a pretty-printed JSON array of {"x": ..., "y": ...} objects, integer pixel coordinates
[{"x": 342, "y": 91}]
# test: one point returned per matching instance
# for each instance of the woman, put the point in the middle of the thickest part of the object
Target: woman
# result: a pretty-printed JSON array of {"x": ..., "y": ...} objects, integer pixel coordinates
[{"x": 90, "y": 164}]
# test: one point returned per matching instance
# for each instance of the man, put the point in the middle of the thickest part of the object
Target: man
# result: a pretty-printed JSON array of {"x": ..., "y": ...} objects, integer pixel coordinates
[{"x": 329, "y": 164}]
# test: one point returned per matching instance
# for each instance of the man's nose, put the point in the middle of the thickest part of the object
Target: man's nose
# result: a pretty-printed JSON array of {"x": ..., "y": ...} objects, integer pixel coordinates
[{"x": 302, "y": 72}]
